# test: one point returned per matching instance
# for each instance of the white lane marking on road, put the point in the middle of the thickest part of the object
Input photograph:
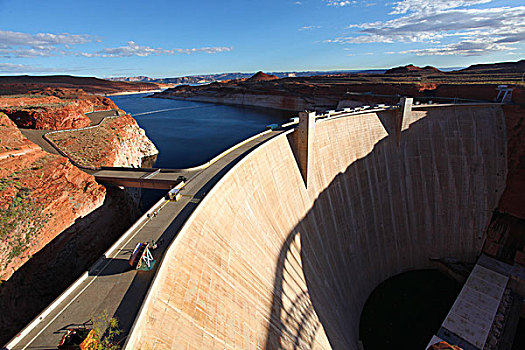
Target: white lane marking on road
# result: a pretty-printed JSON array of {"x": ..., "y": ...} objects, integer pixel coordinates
[
  {"x": 83, "y": 289},
  {"x": 58, "y": 314}
]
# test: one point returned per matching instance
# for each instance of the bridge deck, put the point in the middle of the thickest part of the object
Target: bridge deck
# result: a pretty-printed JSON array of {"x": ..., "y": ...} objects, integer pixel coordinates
[
  {"x": 144, "y": 178},
  {"x": 110, "y": 286}
]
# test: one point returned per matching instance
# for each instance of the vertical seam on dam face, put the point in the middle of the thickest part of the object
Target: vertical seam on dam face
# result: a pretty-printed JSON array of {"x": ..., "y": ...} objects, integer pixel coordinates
[{"x": 264, "y": 262}]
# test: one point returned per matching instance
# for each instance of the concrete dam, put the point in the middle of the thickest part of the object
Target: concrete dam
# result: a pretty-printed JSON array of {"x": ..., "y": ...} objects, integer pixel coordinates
[{"x": 285, "y": 249}]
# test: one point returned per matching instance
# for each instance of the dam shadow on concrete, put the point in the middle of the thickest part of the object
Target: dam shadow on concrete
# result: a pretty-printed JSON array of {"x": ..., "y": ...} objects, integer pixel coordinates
[{"x": 387, "y": 213}]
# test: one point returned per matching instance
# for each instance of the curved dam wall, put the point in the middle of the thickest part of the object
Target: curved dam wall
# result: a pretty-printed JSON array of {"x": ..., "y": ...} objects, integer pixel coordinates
[{"x": 265, "y": 262}]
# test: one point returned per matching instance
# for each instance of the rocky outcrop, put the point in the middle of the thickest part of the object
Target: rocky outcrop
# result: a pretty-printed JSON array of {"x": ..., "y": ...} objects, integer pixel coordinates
[
  {"x": 296, "y": 96},
  {"x": 502, "y": 67},
  {"x": 53, "y": 109},
  {"x": 40, "y": 196},
  {"x": 260, "y": 76},
  {"x": 133, "y": 144},
  {"x": 55, "y": 220},
  {"x": 288, "y": 103},
  {"x": 116, "y": 141},
  {"x": 411, "y": 69}
]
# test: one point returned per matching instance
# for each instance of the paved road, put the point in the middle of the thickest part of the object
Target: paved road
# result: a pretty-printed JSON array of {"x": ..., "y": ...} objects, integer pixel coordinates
[
  {"x": 111, "y": 286},
  {"x": 37, "y": 136},
  {"x": 98, "y": 116}
]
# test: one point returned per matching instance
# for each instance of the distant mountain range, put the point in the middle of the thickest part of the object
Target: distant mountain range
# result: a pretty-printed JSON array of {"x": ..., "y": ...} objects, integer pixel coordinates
[
  {"x": 501, "y": 67},
  {"x": 209, "y": 78}
]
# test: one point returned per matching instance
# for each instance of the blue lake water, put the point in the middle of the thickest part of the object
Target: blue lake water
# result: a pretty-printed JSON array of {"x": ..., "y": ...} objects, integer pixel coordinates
[{"x": 190, "y": 133}]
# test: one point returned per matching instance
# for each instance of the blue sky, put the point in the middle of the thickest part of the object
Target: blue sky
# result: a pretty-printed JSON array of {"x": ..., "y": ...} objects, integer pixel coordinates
[{"x": 175, "y": 38}]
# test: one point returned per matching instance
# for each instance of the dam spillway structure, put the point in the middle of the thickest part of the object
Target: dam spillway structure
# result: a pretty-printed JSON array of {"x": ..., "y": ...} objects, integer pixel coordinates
[{"x": 285, "y": 249}]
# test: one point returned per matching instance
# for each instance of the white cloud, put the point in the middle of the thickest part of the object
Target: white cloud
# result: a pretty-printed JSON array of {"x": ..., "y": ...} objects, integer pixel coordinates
[
  {"x": 339, "y": 3},
  {"x": 202, "y": 49},
  {"x": 464, "y": 48},
  {"x": 447, "y": 27},
  {"x": 17, "y": 44},
  {"x": 134, "y": 49},
  {"x": 404, "y": 6},
  {"x": 131, "y": 49},
  {"x": 23, "y": 68},
  {"x": 24, "y": 45},
  {"x": 41, "y": 39},
  {"x": 30, "y": 52},
  {"x": 308, "y": 28}
]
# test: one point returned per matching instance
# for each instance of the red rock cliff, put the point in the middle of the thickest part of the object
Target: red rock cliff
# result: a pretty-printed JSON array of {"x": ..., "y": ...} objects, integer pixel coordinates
[
  {"x": 40, "y": 196},
  {"x": 53, "y": 109}
]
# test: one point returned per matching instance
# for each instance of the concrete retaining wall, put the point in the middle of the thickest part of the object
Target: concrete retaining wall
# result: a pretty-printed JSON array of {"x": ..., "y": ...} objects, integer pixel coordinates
[{"x": 265, "y": 263}]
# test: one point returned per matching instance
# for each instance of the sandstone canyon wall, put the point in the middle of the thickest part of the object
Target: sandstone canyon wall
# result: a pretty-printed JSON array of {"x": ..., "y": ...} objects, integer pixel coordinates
[
  {"x": 41, "y": 195},
  {"x": 53, "y": 109}
]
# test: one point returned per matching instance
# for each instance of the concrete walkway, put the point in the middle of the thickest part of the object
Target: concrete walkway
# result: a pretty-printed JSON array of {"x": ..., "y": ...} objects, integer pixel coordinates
[
  {"x": 482, "y": 300},
  {"x": 110, "y": 286},
  {"x": 98, "y": 116},
  {"x": 37, "y": 137}
]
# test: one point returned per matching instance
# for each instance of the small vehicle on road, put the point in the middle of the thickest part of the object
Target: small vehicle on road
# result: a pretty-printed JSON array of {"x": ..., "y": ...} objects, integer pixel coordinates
[
  {"x": 79, "y": 338},
  {"x": 141, "y": 258}
]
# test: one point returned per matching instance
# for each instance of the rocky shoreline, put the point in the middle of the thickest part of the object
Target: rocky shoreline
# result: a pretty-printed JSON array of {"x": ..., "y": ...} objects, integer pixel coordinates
[
  {"x": 285, "y": 103},
  {"x": 135, "y": 92}
]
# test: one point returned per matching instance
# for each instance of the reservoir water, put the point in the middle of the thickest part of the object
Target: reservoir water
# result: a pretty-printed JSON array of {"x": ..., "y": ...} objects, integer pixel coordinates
[{"x": 190, "y": 133}]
